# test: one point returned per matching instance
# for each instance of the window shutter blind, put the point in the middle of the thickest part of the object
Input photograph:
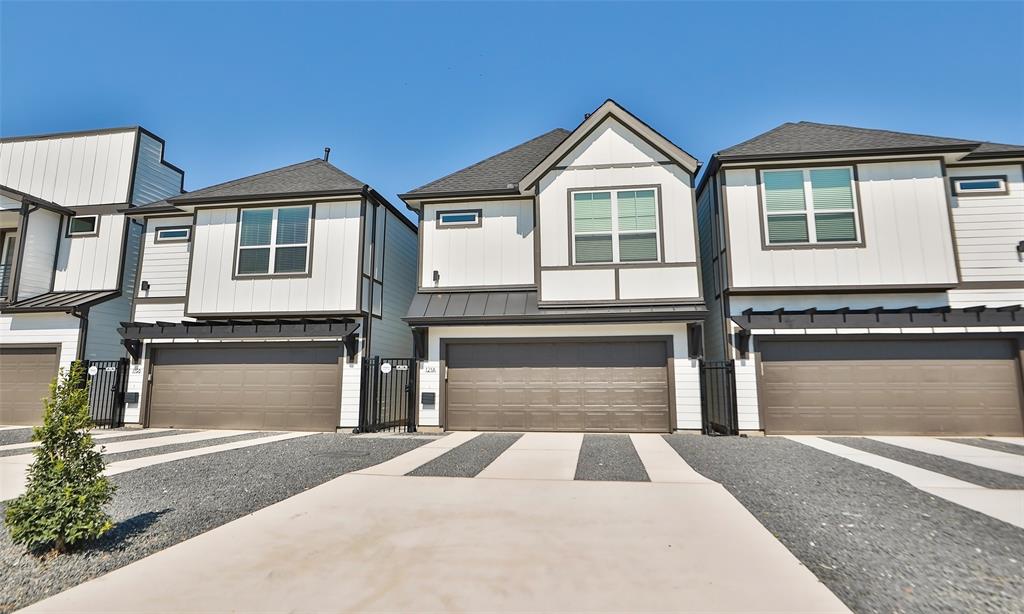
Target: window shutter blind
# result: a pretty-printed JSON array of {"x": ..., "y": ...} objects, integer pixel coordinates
[
  {"x": 593, "y": 248},
  {"x": 593, "y": 212},
  {"x": 290, "y": 260},
  {"x": 787, "y": 229},
  {"x": 835, "y": 227},
  {"x": 641, "y": 247},
  {"x": 831, "y": 188},
  {"x": 637, "y": 210},
  {"x": 292, "y": 226},
  {"x": 253, "y": 261},
  {"x": 256, "y": 224},
  {"x": 784, "y": 191}
]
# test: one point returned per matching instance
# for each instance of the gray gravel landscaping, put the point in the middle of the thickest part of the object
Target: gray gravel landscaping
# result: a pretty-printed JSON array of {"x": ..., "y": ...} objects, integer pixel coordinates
[
  {"x": 156, "y": 507},
  {"x": 610, "y": 458},
  {"x": 178, "y": 447},
  {"x": 468, "y": 459},
  {"x": 981, "y": 476},
  {"x": 988, "y": 444},
  {"x": 878, "y": 543}
]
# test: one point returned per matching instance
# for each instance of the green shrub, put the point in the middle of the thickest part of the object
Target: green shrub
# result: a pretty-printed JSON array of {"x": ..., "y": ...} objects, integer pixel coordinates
[{"x": 66, "y": 491}]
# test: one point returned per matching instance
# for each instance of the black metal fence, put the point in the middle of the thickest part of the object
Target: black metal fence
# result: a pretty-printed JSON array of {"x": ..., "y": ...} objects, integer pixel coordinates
[
  {"x": 388, "y": 399},
  {"x": 107, "y": 382},
  {"x": 718, "y": 397}
]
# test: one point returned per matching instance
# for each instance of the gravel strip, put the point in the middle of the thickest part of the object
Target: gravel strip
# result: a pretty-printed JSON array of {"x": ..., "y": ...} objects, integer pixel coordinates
[
  {"x": 128, "y": 436},
  {"x": 158, "y": 506},
  {"x": 610, "y": 458},
  {"x": 177, "y": 447},
  {"x": 468, "y": 459},
  {"x": 878, "y": 543},
  {"x": 981, "y": 476},
  {"x": 988, "y": 444},
  {"x": 16, "y": 436}
]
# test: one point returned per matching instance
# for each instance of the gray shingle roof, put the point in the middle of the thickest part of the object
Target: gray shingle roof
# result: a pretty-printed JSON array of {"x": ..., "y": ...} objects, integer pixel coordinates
[
  {"x": 993, "y": 150},
  {"x": 812, "y": 138},
  {"x": 500, "y": 172},
  {"x": 519, "y": 306},
  {"x": 310, "y": 177}
]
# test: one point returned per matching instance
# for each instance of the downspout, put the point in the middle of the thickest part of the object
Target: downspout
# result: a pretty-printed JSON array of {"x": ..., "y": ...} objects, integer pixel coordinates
[
  {"x": 12, "y": 291},
  {"x": 83, "y": 331}
]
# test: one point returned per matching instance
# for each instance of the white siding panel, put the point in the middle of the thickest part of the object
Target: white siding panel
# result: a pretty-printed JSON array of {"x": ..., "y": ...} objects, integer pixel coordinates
[
  {"x": 92, "y": 262},
  {"x": 611, "y": 143},
  {"x": 906, "y": 234},
  {"x": 163, "y": 312},
  {"x": 988, "y": 227},
  {"x": 333, "y": 286},
  {"x": 165, "y": 265},
  {"x": 391, "y": 336},
  {"x": 993, "y": 298},
  {"x": 40, "y": 239},
  {"x": 42, "y": 328},
  {"x": 153, "y": 180},
  {"x": 578, "y": 285},
  {"x": 658, "y": 282},
  {"x": 497, "y": 253},
  {"x": 71, "y": 170}
]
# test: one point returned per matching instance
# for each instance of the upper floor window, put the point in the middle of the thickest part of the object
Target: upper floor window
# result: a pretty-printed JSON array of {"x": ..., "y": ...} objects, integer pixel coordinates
[
  {"x": 458, "y": 218},
  {"x": 172, "y": 234},
  {"x": 274, "y": 241},
  {"x": 615, "y": 226},
  {"x": 810, "y": 206},
  {"x": 83, "y": 225},
  {"x": 968, "y": 186}
]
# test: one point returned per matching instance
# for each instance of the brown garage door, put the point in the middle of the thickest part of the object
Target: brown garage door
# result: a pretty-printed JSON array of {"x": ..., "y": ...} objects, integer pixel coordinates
[
  {"x": 25, "y": 375},
  {"x": 281, "y": 387},
  {"x": 891, "y": 387},
  {"x": 557, "y": 386}
]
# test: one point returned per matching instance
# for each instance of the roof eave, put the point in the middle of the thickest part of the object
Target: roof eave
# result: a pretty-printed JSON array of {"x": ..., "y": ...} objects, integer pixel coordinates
[
  {"x": 844, "y": 153},
  {"x": 420, "y": 196},
  {"x": 216, "y": 200}
]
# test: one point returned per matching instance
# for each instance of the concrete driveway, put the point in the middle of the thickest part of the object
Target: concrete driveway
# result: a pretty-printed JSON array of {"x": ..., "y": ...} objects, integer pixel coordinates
[{"x": 545, "y": 523}]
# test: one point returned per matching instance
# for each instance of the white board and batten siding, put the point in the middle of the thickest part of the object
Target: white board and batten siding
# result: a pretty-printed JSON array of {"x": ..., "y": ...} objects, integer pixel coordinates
[
  {"x": 42, "y": 328},
  {"x": 91, "y": 262},
  {"x": 686, "y": 375},
  {"x": 40, "y": 244},
  {"x": 612, "y": 156},
  {"x": 907, "y": 238},
  {"x": 332, "y": 287},
  {"x": 391, "y": 336},
  {"x": 498, "y": 252},
  {"x": 165, "y": 263}
]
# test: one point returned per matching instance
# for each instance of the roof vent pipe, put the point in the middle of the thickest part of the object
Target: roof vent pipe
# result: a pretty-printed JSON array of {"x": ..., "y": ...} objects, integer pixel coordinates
[{"x": 327, "y": 153}]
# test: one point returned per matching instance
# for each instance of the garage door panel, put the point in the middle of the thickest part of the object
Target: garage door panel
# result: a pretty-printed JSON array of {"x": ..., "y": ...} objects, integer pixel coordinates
[
  {"x": 897, "y": 387},
  {"x": 279, "y": 388},
  {"x": 557, "y": 386},
  {"x": 25, "y": 376}
]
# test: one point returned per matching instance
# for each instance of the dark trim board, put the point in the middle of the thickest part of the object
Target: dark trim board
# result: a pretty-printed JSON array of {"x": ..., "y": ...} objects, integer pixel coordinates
[
  {"x": 889, "y": 288},
  {"x": 910, "y": 317},
  {"x": 991, "y": 285},
  {"x": 443, "y": 289},
  {"x": 240, "y": 329},
  {"x": 607, "y": 266}
]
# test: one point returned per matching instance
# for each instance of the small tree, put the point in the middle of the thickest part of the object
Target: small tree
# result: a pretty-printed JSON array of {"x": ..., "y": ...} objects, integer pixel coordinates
[{"x": 63, "y": 503}]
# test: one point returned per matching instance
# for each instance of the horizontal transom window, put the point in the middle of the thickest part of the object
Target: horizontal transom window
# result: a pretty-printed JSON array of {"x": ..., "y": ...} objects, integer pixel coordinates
[
  {"x": 458, "y": 218},
  {"x": 968, "y": 186},
  {"x": 180, "y": 233},
  {"x": 809, "y": 206},
  {"x": 274, "y": 241},
  {"x": 615, "y": 226},
  {"x": 83, "y": 225}
]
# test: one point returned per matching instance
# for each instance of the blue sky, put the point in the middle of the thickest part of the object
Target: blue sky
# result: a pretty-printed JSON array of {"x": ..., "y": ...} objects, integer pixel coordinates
[{"x": 406, "y": 93}]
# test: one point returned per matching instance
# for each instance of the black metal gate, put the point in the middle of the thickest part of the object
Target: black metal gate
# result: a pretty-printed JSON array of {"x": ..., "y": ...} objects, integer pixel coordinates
[
  {"x": 107, "y": 382},
  {"x": 388, "y": 399},
  {"x": 718, "y": 397}
]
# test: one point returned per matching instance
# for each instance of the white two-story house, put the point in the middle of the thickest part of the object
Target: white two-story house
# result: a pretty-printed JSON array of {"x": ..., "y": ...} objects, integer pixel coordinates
[
  {"x": 558, "y": 284},
  {"x": 68, "y": 252},
  {"x": 867, "y": 281},
  {"x": 256, "y": 300}
]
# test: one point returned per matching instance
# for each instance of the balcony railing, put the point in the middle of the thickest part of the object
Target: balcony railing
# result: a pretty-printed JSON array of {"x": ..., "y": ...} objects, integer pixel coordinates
[{"x": 5, "y": 279}]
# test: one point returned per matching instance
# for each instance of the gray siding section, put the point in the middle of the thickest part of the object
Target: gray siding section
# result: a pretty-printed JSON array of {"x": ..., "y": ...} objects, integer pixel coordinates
[
  {"x": 153, "y": 180},
  {"x": 392, "y": 337},
  {"x": 102, "y": 341},
  {"x": 714, "y": 342}
]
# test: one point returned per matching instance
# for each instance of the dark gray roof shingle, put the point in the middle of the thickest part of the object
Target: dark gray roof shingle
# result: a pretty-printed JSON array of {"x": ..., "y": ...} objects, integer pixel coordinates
[
  {"x": 813, "y": 138},
  {"x": 310, "y": 177},
  {"x": 502, "y": 171},
  {"x": 506, "y": 307},
  {"x": 994, "y": 150}
]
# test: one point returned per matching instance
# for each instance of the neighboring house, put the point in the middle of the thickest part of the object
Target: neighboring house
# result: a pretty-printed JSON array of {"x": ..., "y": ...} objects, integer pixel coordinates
[
  {"x": 257, "y": 299},
  {"x": 68, "y": 253},
  {"x": 867, "y": 281},
  {"x": 558, "y": 284}
]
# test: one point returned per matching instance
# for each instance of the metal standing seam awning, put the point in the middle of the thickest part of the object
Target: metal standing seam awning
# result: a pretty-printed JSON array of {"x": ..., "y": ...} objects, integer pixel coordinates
[
  {"x": 880, "y": 317},
  {"x": 66, "y": 302}
]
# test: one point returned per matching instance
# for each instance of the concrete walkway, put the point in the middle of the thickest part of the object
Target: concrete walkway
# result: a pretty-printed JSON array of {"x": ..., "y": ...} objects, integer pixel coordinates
[{"x": 381, "y": 541}]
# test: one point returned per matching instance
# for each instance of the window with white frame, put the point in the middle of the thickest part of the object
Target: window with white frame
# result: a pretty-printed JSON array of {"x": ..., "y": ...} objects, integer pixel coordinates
[
  {"x": 172, "y": 234},
  {"x": 810, "y": 206},
  {"x": 81, "y": 225},
  {"x": 969, "y": 186},
  {"x": 458, "y": 218},
  {"x": 274, "y": 241},
  {"x": 615, "y": 226}
]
